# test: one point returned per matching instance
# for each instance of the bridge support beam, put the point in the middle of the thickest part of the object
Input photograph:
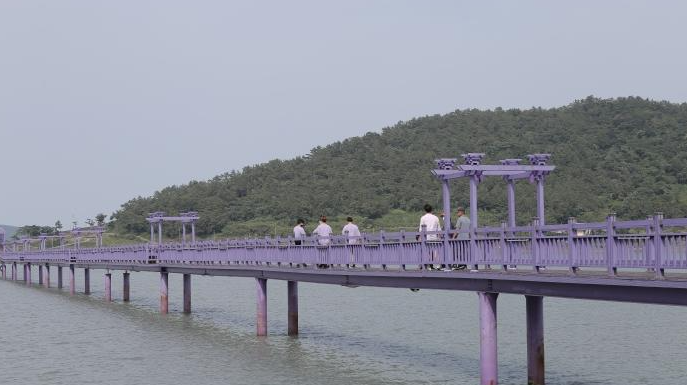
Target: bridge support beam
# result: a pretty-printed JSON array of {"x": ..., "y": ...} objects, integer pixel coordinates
[
  {"x": 46, "y": 280},
  {"x": 40, "y": 275},
  {"x": 59, "y": 277},
  {"x": 535, "y": 340},
  {"x": 27, "y": 274},
  {"x": 292, "y": 289},
  {"x": 261, "y": 286},
  {"x": 187, "y": 293},
  {"x": 488, "y": 343},
  {"x": 72, "y": 280},
  {"x": 108, "y": 287},
  {"x": 126, "y": 287},
  {"x": 87, "y": 281},
  {"x": 164, "y": 291},
  {"x": 14, "y": 271}
]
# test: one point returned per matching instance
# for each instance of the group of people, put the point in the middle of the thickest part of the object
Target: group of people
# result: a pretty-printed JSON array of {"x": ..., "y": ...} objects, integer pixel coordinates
[
  {"x": 428, "y": 222},
  {"x": 431, "y": 223},
  {"x": 324, "y": 231}
]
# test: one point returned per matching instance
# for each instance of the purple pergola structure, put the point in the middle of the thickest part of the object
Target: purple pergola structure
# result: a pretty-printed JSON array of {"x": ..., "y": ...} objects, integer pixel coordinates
[
  {"x": 78, "y": 233},
  {"x": 157, "y": 219},
  {"x": 611, "y": 260}
]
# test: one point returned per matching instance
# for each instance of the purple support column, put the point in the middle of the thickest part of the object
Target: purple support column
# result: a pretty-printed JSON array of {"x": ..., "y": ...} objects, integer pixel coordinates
[
  {"x": 535, "y": 340},
  {"x": 4, "y": 272},
  {"x": 27, "y": 273},
  {"x": 87, "y": 281},
  {"x": 14, "y": 271},
  {"x": 126, "y": 288},
  {"x": 59, "y": 277},
  {"x": 46, "y": 281},
  {"x": 473, "y": 201},
  {"x": 540, "y": 200},
  {"x": 292, "y": 289},
  {"x": 72, "y": 280},
  {"x": 159, "y": 232},
  {"x": 40, "y": 275},
  {"x": 164, "y": 294},
  {"x": 187, "y": 293},
  {"x": 108, "y": 287},
  {"x": 489, "y": 372},
  {"x": 183, "y": 233},
  {"x": 511, "y": 202},
  {"x": 261, "y": 286},
  {"x": 446, "y": 193}
]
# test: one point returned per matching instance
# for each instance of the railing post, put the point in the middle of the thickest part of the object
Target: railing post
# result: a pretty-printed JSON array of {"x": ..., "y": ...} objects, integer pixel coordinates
[
  {"x": 423, "y": 246},
  {"x": 610, "y": 245},
  {"x": 535, "y": 244},
  {"x": 382, "y": 252},
  {"x": 489, "y": 367},
  {"x": 403, "y": 249},
  {"x": 658, "y": 246},
  {"x": 504, "y": 247},
  {"x": 572, "y": 247}
]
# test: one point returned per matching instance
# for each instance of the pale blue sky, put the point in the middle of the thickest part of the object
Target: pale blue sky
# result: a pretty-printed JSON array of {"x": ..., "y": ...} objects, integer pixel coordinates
[{"x": 102, "y": 101}]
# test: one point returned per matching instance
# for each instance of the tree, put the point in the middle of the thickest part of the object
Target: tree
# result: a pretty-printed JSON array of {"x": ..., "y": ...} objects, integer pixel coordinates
[
  {"x": 100, "y": 219},
  {"x": 90, "y": 222},
  {"x": 58, "y": 226}
]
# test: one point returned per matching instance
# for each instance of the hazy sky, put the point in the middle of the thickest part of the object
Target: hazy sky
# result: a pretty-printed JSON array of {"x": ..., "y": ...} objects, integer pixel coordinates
[{"x": 102, "y": 101}]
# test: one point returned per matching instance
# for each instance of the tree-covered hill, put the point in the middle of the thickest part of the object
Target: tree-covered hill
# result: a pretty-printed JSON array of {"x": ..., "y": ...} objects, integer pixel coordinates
[{"x": 625, "y": 155}]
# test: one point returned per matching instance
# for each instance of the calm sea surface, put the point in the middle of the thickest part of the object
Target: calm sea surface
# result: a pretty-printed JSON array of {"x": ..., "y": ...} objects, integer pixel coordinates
[{"x": 348, "y": 336}]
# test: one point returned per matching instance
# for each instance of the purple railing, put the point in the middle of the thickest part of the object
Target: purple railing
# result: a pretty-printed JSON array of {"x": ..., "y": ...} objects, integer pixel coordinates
[{"x": 654, "y": 243}]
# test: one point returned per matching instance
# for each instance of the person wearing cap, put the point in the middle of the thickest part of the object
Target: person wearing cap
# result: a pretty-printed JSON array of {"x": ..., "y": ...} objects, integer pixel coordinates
[{"x": 462, "y": 231}]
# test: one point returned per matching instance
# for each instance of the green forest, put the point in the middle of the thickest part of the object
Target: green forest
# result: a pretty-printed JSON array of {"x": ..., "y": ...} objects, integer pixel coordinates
[{"x": 624, "y": 155}]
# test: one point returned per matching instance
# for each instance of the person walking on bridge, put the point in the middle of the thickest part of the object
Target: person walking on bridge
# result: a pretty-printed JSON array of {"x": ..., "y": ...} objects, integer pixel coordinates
[
  {"x": 352, "y": 234},
  {"x": 299, "y": 231},
  {"x": 324, "y": 233},
  {"x": 430, "y": 223}
]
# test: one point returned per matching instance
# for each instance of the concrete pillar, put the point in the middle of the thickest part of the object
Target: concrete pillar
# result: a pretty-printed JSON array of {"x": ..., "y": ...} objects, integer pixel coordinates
[
  {"x": 540, "y": 201},
  {"x": 187, "y": 293},
  {"x": 535, "y": 340},
  {"x": 40, "y": 275},
  {"x": 127, "y": 286},
  {"x": 87, "y": 281},
  {"x": 59, "y": 277},
  {"x": 489, "y": 368},
  {"x": 292, "y": 292},
  {"x": 261, "y": 286},
  {"x": 511, "y": 202},
  {"x": 27, "y": 273},
  {"x": 72, "y": 280},
  {"x": 108, "y": 287},
  {"x": 164, "y": 298},
  {"x": 46, "y": 280},
  {"x": 14, "y": 271},
  {"x": 4, "y": 272}
]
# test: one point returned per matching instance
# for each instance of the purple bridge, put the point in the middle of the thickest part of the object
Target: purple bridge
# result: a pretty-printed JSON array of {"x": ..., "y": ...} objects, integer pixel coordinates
[{"x": 640, "y": 261}]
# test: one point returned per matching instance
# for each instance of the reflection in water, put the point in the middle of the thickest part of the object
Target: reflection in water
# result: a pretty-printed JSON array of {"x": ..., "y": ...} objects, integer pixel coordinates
[{"x": 348, "y": 336}]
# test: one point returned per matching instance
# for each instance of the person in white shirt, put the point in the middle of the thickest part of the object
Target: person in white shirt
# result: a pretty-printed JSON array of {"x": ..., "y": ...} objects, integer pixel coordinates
[
  {"x": 430, "y": 222},
  {"x": 324, "y": 232},
  {"x": 299, "y": 231},
  {"x": 353, "y": 233}
]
